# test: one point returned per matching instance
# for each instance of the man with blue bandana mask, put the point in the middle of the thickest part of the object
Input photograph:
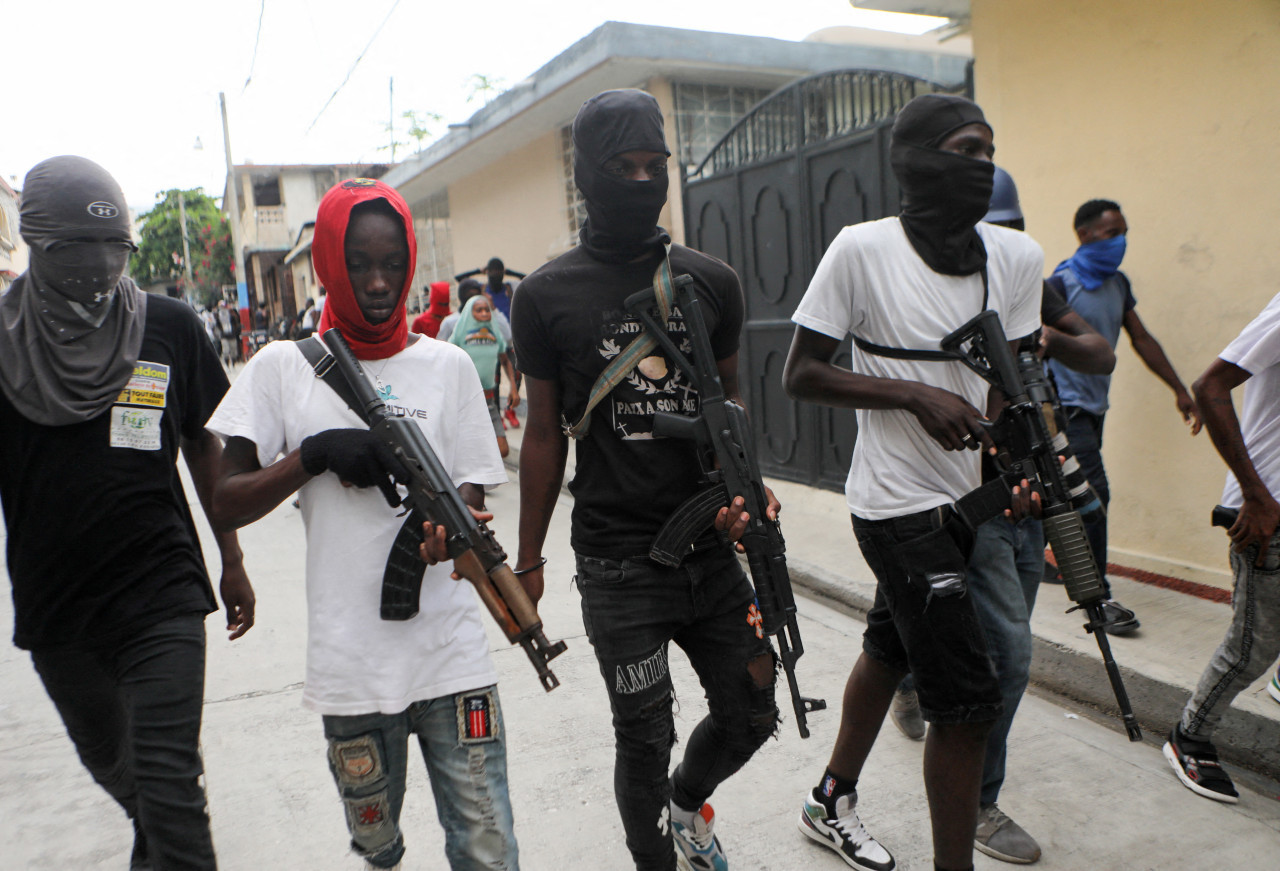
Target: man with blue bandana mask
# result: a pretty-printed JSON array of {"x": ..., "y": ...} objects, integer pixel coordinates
[{"x": 1095, "y": 287}]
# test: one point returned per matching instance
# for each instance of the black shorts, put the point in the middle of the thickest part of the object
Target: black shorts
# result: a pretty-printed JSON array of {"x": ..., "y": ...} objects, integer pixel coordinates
[{"x": 923, "y": 620}]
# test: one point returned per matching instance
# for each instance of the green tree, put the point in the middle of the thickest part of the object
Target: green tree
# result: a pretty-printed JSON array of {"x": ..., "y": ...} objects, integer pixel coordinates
[
  {"x": 159, "y": 256},
  {"x": 483, "y": 88},
  {"x": 420, "y": 127}
]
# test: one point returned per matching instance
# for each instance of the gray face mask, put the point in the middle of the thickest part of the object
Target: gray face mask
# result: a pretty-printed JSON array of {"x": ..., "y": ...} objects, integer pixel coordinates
[
  {"x": 86, "y": 274},
  {"x": 71, "y": 327}
]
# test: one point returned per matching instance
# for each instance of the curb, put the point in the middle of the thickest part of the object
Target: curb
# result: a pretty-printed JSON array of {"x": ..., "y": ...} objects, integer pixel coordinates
[{"x": 1243, "y": 738}]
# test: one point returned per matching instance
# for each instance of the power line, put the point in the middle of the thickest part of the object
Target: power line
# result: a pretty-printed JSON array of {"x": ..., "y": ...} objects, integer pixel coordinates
[
  {"x": 354, "y": 65},
  {"x": 262, "y": 10}
]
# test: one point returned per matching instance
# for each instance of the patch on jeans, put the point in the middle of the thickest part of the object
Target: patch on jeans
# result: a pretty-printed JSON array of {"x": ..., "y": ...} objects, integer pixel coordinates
[
  {"x": 637, "y": 677},
  {"x": 755, "y": 619},
  {"x": 367, "y": 815},
  {"x": 356, "y": 761},
  {"x": 477, "y": 718}
]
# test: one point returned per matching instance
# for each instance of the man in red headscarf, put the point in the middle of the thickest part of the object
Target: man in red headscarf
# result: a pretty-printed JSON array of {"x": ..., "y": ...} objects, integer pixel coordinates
[{"x": 376, "y": 681}]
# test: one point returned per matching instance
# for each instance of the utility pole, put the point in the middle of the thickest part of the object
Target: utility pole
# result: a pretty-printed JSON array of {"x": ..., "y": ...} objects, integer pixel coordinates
[
  {"x": 233, "y": 193},
  {"x": 391, "y": 115},
  {"x": 186, "y": 246}
]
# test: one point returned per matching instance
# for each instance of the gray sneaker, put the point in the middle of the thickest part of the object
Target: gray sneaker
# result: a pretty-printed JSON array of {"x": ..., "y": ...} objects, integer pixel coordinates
[
  {"x": 905, "y": 712},
  {"x": 1002, "y": 838}
]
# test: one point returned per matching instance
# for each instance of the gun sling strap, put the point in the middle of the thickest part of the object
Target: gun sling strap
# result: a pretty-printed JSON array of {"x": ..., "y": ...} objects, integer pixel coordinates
[
  {"x": 639, "y": 348},
  {"x": 915, "y": 354},
  {"x": 322, "y": 362}
]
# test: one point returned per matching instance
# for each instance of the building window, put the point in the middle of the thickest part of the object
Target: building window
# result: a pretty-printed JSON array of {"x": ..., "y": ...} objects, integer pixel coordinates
[
  {"x": 575, "y": 205},
  {"x": 704, "y": 114},
  {"x": 266, "y": 191}
]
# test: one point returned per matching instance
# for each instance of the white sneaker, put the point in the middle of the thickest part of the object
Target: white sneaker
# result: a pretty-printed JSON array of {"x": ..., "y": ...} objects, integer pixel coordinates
[
  {"x": 697, "y": 847},
  {"x": 1273, "y": 687},
  {"x": 844, "y": 833}
]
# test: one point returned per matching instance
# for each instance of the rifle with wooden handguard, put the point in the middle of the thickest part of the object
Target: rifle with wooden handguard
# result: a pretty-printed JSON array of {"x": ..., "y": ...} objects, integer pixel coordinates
[
  {"x": 475, "y": 552},
  {"x": 723, "y": 436}
]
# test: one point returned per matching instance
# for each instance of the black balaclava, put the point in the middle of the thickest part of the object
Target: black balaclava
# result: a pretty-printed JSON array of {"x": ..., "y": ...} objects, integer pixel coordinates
[
  {"x": 71, "y": 326},
  {"x": 944, "y": 195},
  {"x": 622, "y": 214}
]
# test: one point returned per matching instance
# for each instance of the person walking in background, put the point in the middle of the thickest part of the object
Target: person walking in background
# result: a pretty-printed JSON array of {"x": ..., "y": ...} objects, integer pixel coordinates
[
  {"x": 428, "y": 323},
  {"x": 477, "y": 334},
  {"x": 1093, "y": 285}
]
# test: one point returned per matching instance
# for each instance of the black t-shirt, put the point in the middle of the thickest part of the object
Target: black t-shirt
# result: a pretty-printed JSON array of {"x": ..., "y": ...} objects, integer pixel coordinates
[
  {"x": 1053, "y": 305},
  {"x": 568, "y": 321},
  {"x": 101, "y": 538}
]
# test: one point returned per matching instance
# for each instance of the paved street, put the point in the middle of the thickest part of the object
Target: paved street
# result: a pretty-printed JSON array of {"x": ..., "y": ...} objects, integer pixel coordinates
[{"x": 1093, "y": 800}]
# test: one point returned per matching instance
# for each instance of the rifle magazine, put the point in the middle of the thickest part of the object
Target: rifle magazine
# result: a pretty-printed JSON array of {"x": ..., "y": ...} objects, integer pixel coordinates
[{"x": 675, "y": 540}]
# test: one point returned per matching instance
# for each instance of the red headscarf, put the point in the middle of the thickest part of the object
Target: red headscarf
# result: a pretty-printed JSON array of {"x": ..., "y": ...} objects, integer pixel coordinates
[
  {"x": 428, "y": 323},
  {"x": 368, "y": 341}
]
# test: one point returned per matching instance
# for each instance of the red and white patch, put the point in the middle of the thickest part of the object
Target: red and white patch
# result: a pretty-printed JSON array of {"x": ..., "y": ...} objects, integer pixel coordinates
[
  {"x": 477, "y": 717},
  {"x": 756, "y": 619}
]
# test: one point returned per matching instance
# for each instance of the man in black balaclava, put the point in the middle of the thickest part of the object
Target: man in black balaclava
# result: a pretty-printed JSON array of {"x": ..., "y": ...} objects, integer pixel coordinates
[
  {"x": 100, "y": 384},
  {"x": 569, "y": 322},
  {"x": 906, "y": 282}
]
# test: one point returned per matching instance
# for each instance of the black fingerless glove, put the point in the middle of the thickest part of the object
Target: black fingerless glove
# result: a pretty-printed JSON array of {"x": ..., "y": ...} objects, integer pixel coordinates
[{"x": 356, "y": 456}]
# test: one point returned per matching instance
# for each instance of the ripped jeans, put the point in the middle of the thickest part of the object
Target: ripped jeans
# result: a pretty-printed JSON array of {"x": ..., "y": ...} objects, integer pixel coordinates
[
  {"x": 464, "y": 746},
  {"x": 633, "y": 609}
]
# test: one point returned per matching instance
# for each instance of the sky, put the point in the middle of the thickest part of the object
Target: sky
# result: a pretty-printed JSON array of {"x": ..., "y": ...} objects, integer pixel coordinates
[{"x": 134, "y": 84}]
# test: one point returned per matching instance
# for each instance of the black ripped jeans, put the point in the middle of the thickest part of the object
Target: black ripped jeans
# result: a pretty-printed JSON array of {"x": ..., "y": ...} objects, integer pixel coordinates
[{"x": 633, "y": 609}]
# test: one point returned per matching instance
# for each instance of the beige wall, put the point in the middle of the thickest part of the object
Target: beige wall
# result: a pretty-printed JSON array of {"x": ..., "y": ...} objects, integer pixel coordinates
[
  {"x": 516, "y": 208},
  {"x": 1170, "y": 109}
]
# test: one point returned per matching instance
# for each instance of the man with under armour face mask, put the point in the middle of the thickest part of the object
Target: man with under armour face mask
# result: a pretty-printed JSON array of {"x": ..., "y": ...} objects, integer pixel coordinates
[
  {"x": 1095, "y": 287},
  {"x": 569, "y": 323},
  {"x": 904, "y": 283},
  {"x": 101, "y": 386}
]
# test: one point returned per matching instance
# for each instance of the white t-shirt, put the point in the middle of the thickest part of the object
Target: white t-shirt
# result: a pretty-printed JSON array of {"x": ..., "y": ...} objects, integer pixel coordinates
[
  {"x": 871, "y": 282},
  {"x": 358, "y": 663},
  {"x": 1257, "y": 351}
]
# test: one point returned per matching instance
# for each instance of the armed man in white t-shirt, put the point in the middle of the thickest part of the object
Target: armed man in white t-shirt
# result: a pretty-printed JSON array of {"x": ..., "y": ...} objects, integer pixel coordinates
[
  {"x": 378, "y": 681},
  {"x": 1250, "y": 446},
  {"x": 905, "y": 283}
]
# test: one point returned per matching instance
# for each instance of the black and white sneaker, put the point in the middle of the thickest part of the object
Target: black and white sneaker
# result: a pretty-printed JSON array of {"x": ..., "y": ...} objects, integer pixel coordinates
[
  {"x": 844, "y": 833},
  {"x": 1197, "y": 766}
]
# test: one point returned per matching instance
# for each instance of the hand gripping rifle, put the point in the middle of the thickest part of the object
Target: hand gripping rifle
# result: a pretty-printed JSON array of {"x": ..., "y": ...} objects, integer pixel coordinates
[
  {"x": 476, "y": 554},
  {"x": 729, "y": 467},
  {"x": 1024, "y": 429}
]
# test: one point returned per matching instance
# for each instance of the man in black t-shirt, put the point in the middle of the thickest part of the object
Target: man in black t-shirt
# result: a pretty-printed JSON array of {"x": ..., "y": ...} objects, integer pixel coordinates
[
  {"x": 569, "y": 322},
  {"x": 101, "y": 386}
]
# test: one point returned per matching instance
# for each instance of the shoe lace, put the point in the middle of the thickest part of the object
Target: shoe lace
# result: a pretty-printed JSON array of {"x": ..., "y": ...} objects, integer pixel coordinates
[
  {"x": 702, "y": 840},
  {"x": 852, "y": 828}
]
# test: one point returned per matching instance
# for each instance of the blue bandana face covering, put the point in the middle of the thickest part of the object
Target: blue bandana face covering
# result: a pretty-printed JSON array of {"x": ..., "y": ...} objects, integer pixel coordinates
[{"x": 1097, "y": 261}]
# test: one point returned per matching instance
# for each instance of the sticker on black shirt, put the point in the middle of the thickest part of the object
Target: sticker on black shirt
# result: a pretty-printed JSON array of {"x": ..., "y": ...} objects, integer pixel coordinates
[
  {"x": 148, "y": 385},
  {"x": 137, "y": 428}
]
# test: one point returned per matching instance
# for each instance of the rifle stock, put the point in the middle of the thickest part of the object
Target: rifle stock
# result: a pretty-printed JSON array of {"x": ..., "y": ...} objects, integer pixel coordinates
[{"x": 476, "y": 553}]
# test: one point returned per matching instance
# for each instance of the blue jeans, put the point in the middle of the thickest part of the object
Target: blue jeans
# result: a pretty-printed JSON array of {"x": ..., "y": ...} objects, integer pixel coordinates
[
  {"x": 133, "y": 712},
  {"x": 1084, "y": 433},
  {"x": 464, "y": 746},
  {"x": 632, "y": 610},
  {"x": 1247, "y": 650},
  {"x": 1004, "y": 576}
]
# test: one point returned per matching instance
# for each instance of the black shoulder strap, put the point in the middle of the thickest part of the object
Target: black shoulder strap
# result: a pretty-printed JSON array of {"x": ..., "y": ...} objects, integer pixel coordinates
[
  {"x": 322, "y": 362},
  {"x": 911, "y": 354}
]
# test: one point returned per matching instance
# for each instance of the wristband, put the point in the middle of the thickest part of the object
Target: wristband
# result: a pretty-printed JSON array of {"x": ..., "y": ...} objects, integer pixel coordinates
[{"x": 541, "y": 562}]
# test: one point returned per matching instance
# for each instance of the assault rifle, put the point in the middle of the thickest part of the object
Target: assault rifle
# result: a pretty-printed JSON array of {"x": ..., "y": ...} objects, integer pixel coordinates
[
  {"x": 729, "y": 469},
  {"x": 475, "y": 552},
  {"x": 1025, "y": 430}
]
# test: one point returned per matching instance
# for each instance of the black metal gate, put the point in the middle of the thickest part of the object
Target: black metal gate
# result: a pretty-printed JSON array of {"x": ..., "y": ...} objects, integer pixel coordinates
[{"x": 808, "y": 160}]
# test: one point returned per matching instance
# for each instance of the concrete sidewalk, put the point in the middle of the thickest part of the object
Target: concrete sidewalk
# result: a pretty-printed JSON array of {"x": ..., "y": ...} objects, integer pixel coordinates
[{"x": 1160, "y": 663}]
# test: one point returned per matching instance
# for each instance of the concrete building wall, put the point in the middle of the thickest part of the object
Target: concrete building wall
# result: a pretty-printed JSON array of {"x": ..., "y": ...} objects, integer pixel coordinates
[
  {"x": 1170, "y": 110},
  {"x": 514, "y": 209},
  {"x": 300, "y": 198}
]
